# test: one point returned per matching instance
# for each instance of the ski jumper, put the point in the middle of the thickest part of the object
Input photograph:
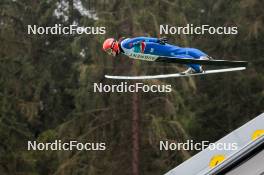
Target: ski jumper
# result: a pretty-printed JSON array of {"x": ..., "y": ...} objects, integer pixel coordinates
[{"x": 145, "y": 48}]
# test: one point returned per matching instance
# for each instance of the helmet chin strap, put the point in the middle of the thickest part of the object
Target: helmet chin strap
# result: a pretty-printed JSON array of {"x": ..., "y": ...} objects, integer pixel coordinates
[{"x": 116, "y": 44}]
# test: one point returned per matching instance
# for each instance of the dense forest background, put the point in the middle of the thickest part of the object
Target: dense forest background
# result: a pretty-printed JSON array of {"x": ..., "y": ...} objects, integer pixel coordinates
[{"x": 46, "y": 84}]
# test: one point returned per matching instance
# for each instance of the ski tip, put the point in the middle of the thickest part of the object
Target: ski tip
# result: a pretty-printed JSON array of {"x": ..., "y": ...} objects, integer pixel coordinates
[
  {"x": 115, "y": 77},
  {"x": 108, "y": 76}
]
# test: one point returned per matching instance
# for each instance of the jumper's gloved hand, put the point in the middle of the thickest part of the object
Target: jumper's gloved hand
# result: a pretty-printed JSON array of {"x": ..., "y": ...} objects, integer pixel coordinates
[{"x": 162, "y": 40}]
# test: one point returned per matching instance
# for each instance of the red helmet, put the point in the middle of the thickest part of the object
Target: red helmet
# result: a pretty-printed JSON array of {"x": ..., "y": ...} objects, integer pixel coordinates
[{"x": 110, "y": 46}]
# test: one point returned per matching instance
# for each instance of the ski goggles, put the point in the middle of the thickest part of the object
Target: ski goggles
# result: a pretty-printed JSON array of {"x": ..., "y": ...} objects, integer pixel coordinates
[{"x": 110, "y": 51}]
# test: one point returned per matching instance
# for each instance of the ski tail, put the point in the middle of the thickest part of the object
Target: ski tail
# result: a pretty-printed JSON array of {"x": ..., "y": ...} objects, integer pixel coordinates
[{"x": 202, "y": 62}]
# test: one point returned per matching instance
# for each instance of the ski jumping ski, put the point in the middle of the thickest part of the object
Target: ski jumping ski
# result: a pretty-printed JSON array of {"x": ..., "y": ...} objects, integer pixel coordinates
[{"x": 174, "y": 75}]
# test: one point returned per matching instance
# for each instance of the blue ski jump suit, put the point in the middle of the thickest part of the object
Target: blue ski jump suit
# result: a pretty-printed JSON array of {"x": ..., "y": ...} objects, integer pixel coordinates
[{"x": 146, "y": 48}]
